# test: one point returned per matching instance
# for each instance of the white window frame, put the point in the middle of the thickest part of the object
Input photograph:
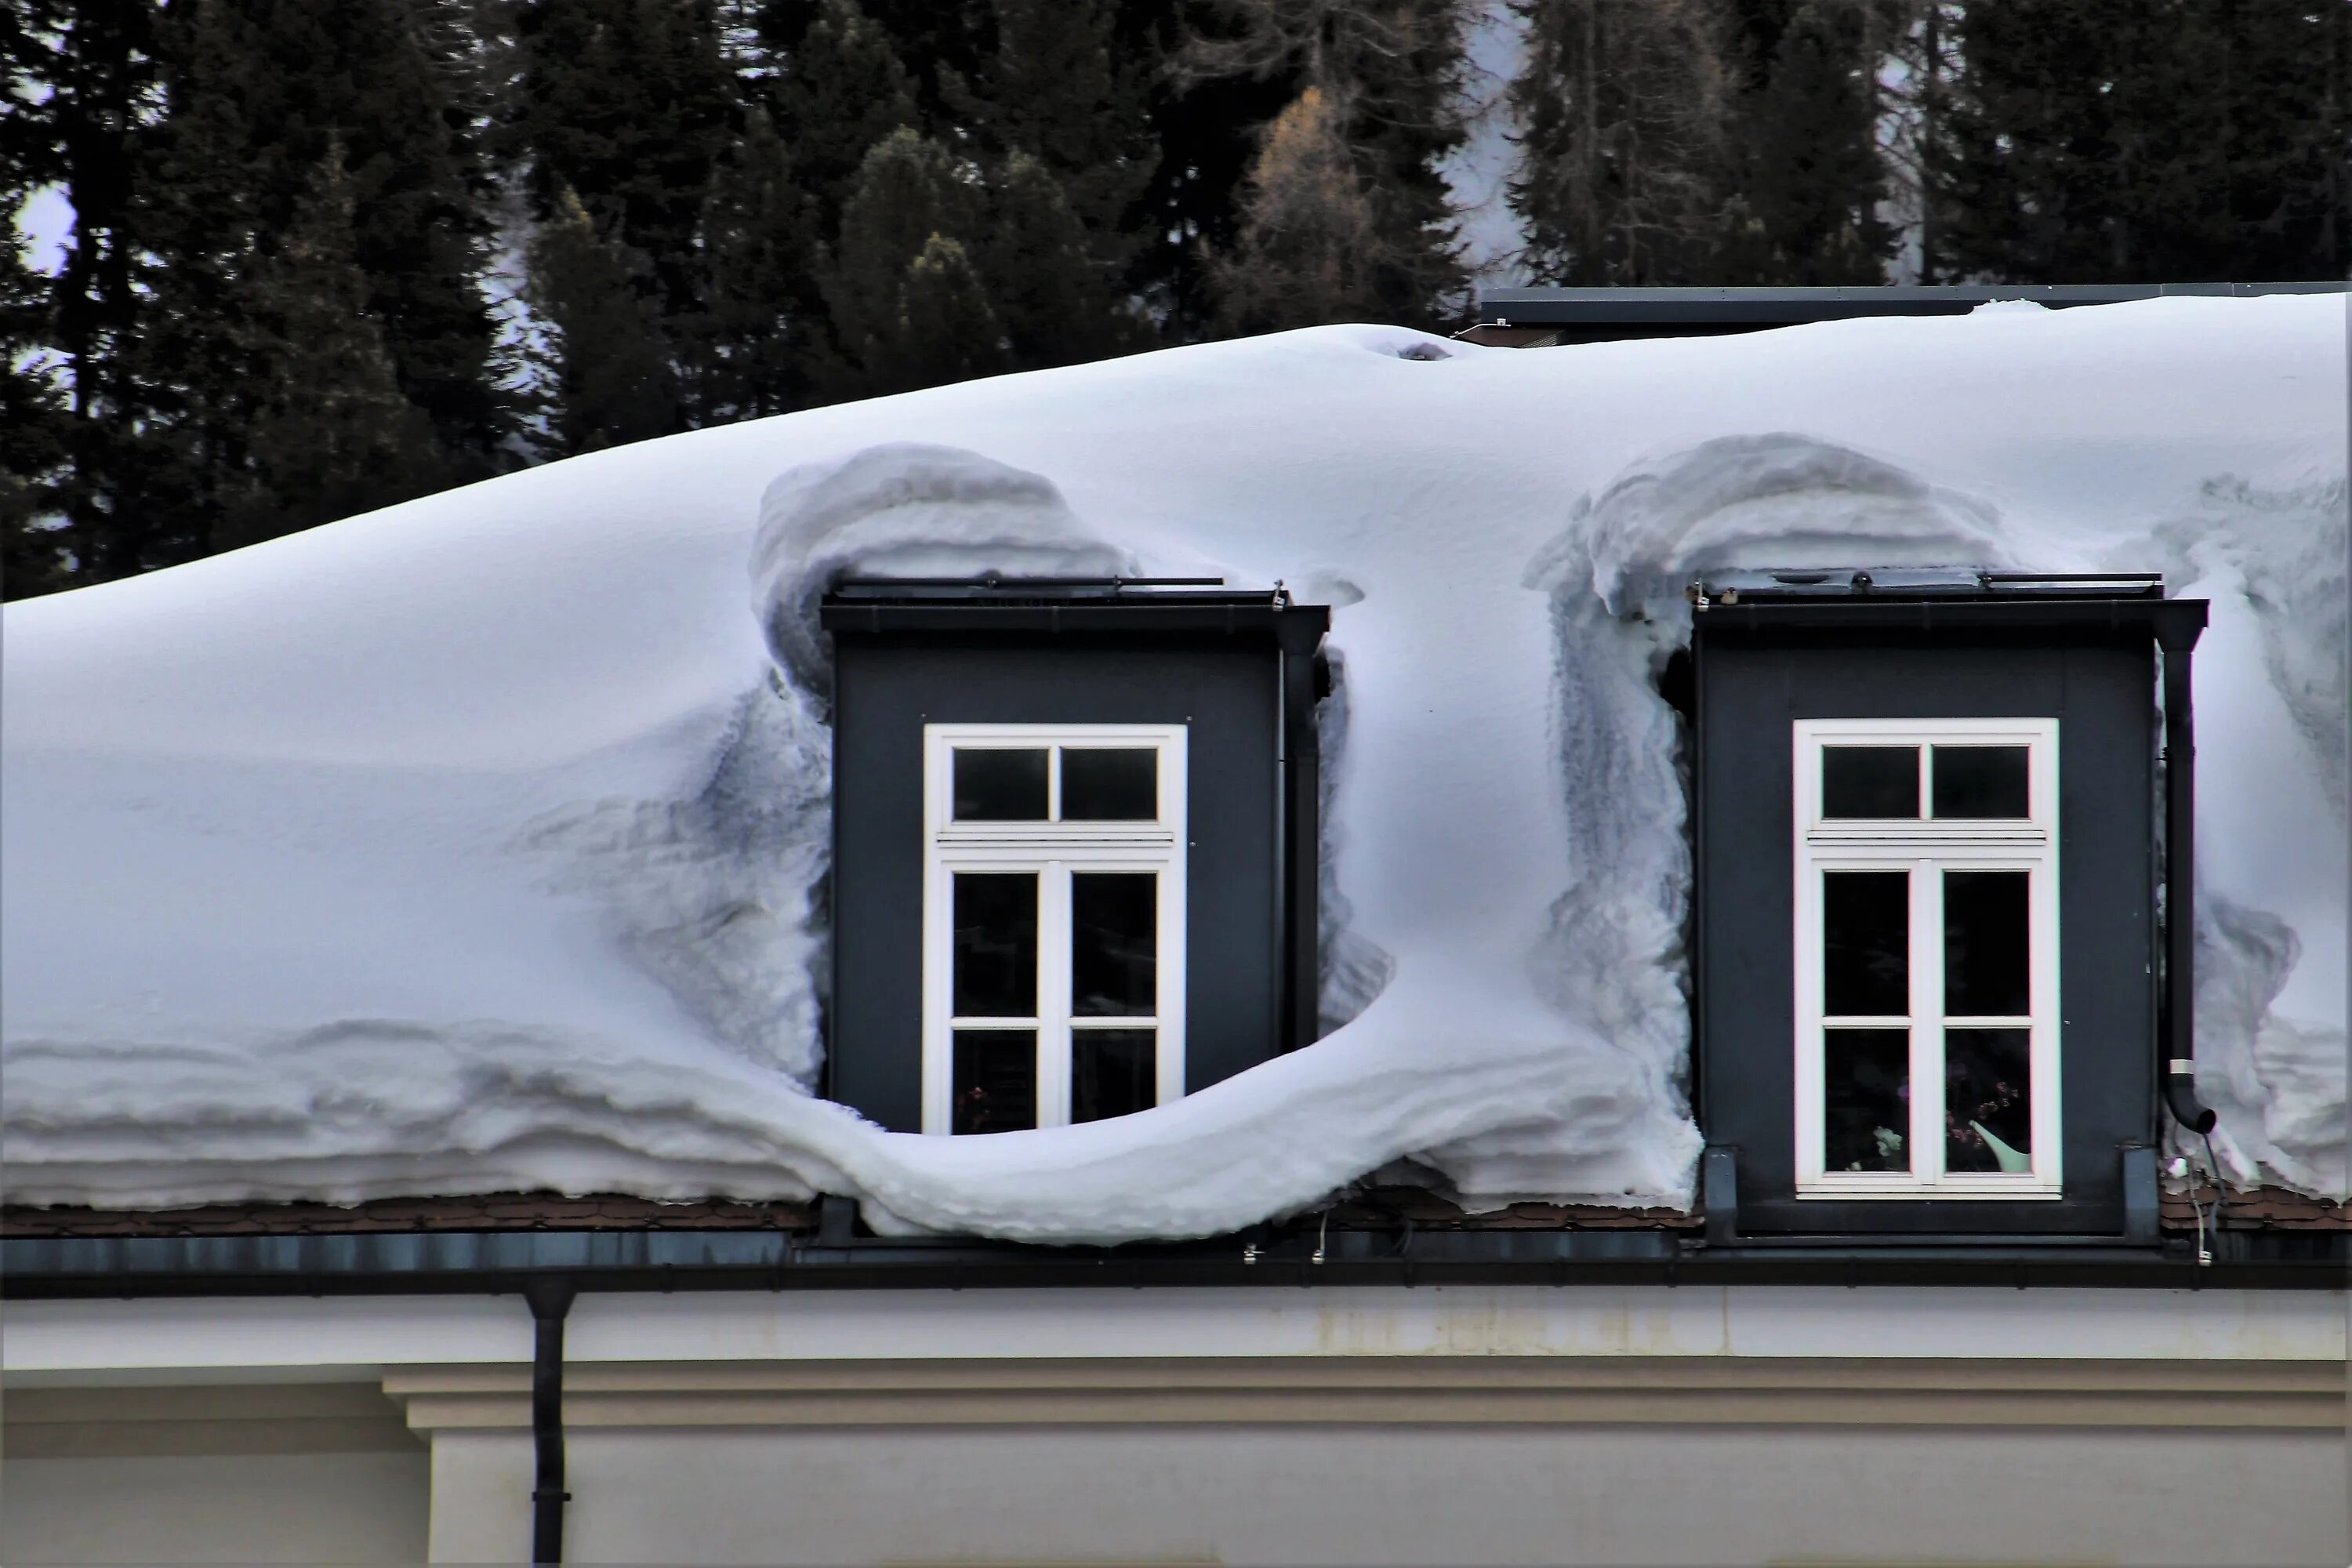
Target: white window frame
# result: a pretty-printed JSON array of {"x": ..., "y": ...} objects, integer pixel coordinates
[
  {"x": 1054, "y": 849},
  {"x": 1926, "y": 849}
]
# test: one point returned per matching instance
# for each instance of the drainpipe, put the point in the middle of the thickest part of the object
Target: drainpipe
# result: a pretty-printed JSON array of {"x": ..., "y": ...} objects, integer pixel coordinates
[
  {"x": 2176, "y": 633},
  {"x": 550, "y": 1299}
]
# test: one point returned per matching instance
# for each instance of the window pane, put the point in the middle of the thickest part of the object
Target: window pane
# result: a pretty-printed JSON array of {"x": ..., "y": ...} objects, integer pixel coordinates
[
  {"x": 1118, "y": 784},
  {"x": 1866, "y": 943},
  {"x": 1112, "y": 1072},
  {"x": 1870, "y": 781},
  {"x": 996, "y": 1081},
  {"x": 995, "y": 946},
  {"x": 1113, "y": 953},
  {"x": 1980, "y": 781},
  {"x": 1986, "y": 962},
  {"x": 1867, "y": 1085},
  {"x": 1987, "y": 1100},
  {"x": 994, "y": 785}
]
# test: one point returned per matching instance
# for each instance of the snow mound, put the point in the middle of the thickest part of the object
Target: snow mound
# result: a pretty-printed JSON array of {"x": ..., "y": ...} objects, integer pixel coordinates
[{"x": 481, "y": 842}]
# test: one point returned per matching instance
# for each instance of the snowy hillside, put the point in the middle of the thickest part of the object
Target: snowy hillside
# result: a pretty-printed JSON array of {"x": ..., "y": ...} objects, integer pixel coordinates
[{"x": 467, "y": 846}]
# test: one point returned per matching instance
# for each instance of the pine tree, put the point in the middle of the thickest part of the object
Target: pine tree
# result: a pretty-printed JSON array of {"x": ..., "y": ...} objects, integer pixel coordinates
[
  {"x": 903, "y": 270},
  {"x": 80, "y": 427},
  {"x": 1623, "y": 115},
  {"x": 607, "y": 366},
  {"x": 841, "y": 91},
  {"x": 280, "y": 78},
  {"x": 1815, "y": 177},
  {"x": 333, "y": 434},
  {"x": 1207, "y": 128},
  {"x": 1051, "y": 87},
  {"x": 947, "y": 331},
  {"x": 1309, "y": 234},
  {"x": 1051, "y": 290},
  {"x": 761, "y": 297},
  {"x": 627, "y": 104},
  {"x": 2156, "y": 140},
  {"x": 1386, "y": 80}
]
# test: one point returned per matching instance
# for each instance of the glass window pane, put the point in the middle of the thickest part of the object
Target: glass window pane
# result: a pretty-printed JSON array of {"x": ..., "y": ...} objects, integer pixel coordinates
[
  {"x": 1110, "y": 785},
  {"x": 1986, "y": 955},
  {"x": 1980, "y": 781},
  {"x": 1114, "y": 955},
  {"x": 1987, "y": 1100},
  {"x": 1866, "y": 1081},
  {"x": 996, "y": 1081},
  {"x": 994, "y": 785},
  {"x": 1866, "y": 943},
  {"x": 995, "y": 971},
  {"x": 1870, "y": 781},
  {"x": 1113, "y": 1072}
]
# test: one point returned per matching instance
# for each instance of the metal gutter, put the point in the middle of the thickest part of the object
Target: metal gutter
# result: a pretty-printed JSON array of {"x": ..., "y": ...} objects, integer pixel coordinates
[
  {"x": 550, "y": 1297},
  {"x": 509, "y": 1262},
  {"x": 2176, "y": 1029}
]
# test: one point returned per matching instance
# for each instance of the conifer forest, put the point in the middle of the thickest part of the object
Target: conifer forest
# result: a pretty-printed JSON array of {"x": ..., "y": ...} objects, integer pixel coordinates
[{"x": 323, "y": 255}]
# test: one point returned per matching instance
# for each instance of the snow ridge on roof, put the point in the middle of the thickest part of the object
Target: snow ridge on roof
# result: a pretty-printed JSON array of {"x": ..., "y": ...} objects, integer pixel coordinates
[{"x": 471, "y": 844}]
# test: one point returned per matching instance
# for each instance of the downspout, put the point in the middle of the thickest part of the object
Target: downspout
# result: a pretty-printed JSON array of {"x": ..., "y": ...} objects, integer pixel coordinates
[
  {"x": 2176, "y": 631},
  {"x": 550, "y": 1299}
]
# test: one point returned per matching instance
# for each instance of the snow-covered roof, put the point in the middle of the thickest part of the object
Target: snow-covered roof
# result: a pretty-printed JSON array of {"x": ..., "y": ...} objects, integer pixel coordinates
[{"x": 468, "y": 844}]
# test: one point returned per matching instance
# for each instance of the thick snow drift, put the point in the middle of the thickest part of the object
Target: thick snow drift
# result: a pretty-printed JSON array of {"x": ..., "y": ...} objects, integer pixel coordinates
[{"x": 470, "y": 845}]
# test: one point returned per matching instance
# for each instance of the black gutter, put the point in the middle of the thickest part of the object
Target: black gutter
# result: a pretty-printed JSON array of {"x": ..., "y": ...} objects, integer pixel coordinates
[
  {"x": 2177, "y": 637},
  {"x": 446, "y": 1262},
  {"x": 551, "y": 1297}
]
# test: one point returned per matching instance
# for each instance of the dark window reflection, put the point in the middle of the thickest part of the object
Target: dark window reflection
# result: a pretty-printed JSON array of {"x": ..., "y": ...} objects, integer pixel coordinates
[
  {"x": 1980, "y": 781},
  {"x": 993, "y": 786},
  {"x": 1987, "y": 963},
  {"x": 1110, "y": 785},
  {"x": 1870, "y": 781},
  {"x": 995, "y": 974},
  {"x": 1987, "y": 1100},
  {"x": 1114, "y": 917},
  {"x": 1867, "y": 1087},
  {"x": 1866, "y": 943},
  {"x": 1112, "y": 1072},
  {"x": 996, "y": 1081}
]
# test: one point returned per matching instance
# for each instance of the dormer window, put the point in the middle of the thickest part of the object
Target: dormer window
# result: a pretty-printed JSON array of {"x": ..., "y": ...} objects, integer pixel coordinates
[
  {"x": 1933, "y": 994},
  {"x": 1926, "y": 957},
  {"x": 1075, "y": 844}
]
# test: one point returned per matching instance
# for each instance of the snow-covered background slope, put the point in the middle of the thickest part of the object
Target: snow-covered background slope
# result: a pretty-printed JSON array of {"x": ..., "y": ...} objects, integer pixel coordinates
[{"x": 467, "y": 844}]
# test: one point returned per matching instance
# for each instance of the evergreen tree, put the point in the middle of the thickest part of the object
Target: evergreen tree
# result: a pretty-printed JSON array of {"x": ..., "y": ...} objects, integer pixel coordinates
[
  {"x": 841, "y": 90},
  {"x": 1386, "y": 76},
  {"x": 607, "y": 366},
  {"x": 333, "y": 434},
  {"x": 1623, "y": 113},
  {"x": 1309, "y": 234},
  {"x": 1051, "y": 87},
  {"x": 903, "y": 270},
  {"x": 1814, "y": 178},
  {"x": 628, "y": 105},
  {"x": 947, "y": 330},
  {"x": 2155, "y": 140},
  {"x": 1051, "y": 291},
  {"x": 278, "y": 81},
  {"x": 759, "y": 335},
  {"x": 1207, "y": 128},
  {"x": 79, "y": 424}
]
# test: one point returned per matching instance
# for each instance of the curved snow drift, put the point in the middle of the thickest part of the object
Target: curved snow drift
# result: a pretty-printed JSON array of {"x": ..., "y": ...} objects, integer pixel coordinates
[{"x": 480, "y": 842}]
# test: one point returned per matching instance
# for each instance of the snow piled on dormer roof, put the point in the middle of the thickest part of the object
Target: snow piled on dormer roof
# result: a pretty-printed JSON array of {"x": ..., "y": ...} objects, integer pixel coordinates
[{"x": 470, "y": 845}]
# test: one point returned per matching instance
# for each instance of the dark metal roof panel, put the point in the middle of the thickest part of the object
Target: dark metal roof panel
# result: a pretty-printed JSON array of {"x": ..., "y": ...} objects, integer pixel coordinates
[{"x": 1792, "y": 307}]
